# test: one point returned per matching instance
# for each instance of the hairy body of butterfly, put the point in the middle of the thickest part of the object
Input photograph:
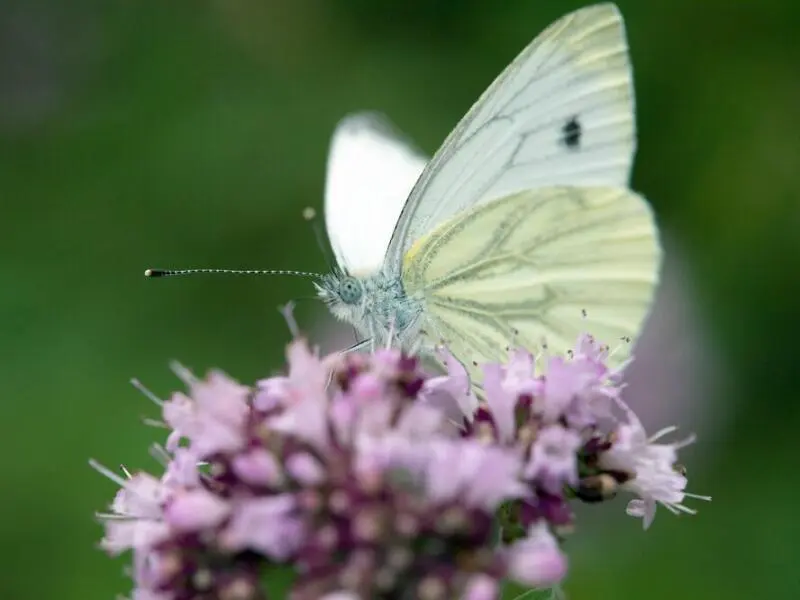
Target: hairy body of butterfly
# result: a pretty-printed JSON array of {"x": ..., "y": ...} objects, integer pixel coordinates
[
  {"x": 377, "y": 306},
  {"x": 522, "y": 268}
]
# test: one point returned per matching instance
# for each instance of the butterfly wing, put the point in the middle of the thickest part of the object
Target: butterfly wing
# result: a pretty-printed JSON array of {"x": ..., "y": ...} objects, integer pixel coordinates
[
  {"x": 562, "y": 113},
  {"x": 546, "y": 264},
  {"x": 370, "y": 174}
]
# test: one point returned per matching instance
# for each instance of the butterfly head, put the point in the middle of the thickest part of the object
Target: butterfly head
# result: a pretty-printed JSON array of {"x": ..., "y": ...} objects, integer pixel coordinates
[
  {"x": 343, "y": 294},
  {"x": 375, "y": 304}
]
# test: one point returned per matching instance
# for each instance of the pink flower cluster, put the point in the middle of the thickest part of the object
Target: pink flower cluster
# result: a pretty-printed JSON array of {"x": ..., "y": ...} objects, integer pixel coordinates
[{"x": 373, "y": 479}]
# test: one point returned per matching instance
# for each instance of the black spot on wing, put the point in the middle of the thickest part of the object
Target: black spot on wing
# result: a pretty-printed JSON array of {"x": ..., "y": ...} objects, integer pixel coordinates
[{"x": 571, "y": 133}]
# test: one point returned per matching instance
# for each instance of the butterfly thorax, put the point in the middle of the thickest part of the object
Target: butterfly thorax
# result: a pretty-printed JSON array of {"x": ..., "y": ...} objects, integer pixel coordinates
[{"x": 376, "y": 305}]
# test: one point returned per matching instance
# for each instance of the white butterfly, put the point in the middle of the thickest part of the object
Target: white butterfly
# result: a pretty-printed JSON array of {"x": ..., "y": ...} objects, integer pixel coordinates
[{"x": 521, "y": 228}]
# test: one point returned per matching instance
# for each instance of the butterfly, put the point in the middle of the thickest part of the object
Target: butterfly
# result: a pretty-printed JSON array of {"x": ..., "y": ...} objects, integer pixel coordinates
[{"x": 520, "y": 230}]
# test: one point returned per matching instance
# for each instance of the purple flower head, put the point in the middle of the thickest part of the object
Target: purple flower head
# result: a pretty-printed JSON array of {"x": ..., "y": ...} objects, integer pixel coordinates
[
  {"x": 374, "y": 479},
  {"x": 389, "y": 491}
]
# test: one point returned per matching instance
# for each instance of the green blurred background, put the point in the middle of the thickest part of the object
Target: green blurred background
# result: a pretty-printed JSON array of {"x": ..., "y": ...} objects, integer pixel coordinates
[{"x": 138, "y": 133}]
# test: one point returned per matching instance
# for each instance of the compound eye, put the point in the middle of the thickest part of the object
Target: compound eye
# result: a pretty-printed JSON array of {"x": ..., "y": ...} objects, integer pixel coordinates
[{"x": 350, "y": 291}]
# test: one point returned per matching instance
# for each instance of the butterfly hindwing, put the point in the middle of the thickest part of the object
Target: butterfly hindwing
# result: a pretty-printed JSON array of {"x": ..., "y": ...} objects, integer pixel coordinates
[{"x": 546, "y": 264}]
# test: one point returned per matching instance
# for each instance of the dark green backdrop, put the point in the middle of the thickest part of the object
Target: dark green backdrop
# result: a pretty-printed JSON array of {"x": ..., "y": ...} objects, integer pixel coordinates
[{"x": 136, "y": 133}]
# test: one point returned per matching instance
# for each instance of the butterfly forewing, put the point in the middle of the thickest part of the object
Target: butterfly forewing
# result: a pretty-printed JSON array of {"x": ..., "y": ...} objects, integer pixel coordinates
[{"x": 561, "y": 114}]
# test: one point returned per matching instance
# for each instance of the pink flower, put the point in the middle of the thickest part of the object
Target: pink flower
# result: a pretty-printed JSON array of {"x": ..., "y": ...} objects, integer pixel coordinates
[
  {"x": 482, "y": 587},
  {"x": 132, "y": 534},
  {"x": 181, "y": 470},
  {"x": 142, "y": 497},
  {"x": 307, "y": 378},
  {"x": 580, "y": 387},
  {"x": 537, "y": 560},
  {"x": 195, "y": 510},
  {"x": 472, "y": 473},
  {"x": 519, "y": 374},
  {"x": 264, "y": 524},
  {"x": 212, "y": 417},
  {"x": 257, "y": 466},
  {"x": 306, "y": 418},
  {"x": 554, "y": 460},
  {"x": 136, "y": 518},
  {"x": 143, "y": 594},
  {"x": 450, "y": 393},
  {"x": 501, "y": 402},
  {"x": 305, "y": 469},
  {"x": 651, "y": 465}
]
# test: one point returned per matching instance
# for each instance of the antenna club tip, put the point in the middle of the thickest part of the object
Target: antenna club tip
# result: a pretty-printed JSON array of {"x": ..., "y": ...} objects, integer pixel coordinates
[
  {"x": 153, "y": 272},
  {"x": 309, "y": 213}
]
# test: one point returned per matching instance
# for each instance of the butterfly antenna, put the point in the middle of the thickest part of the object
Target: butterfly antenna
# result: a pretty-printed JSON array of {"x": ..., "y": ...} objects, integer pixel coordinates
[
  {"x": 310, "y": 215},
  {"x": 175, "y": 272}
]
